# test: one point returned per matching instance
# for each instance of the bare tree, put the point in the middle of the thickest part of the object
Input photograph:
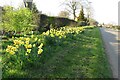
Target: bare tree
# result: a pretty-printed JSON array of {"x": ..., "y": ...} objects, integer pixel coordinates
[
  {"x": 89, "y": 9},
  {"x": 72, "y": 6},
  {"x": 64, "y": 14}
]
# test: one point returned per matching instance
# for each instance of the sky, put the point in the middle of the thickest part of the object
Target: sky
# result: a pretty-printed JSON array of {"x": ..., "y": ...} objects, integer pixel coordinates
[{"x": 104, "y": 11}]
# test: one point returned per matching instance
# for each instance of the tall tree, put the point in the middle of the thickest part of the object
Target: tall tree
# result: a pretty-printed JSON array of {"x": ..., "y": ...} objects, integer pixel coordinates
[
  {"x": 34, "y": 8},
  {"x": 81, "y": 15},
  {"x": 72, "y": 6}
]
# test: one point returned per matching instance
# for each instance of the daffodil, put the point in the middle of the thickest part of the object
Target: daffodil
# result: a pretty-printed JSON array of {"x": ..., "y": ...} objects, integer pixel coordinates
[
  {"x": 16, "y": 42},
  {"x": 21, "y": 38},
  {"x": 9, "y": 47},
  {"x": 7, "y": 50},
  {"x": 60, "y": 37},
  {"x": 51, "y": 35},
  {"x": 27, "y": 39},
  {"x": 41, "y": 45},
  {"x": 26, "y": 54},
  {"x": 28, "y": 50},
  {"x": 14, "y": 49},
  {"x": 47, "y": 33},
  {"x": 22, "y": 42},
  {"x": 12, "y": 52},
  {"x": 40, "y": 51},
  {"x": 28, "y": 46},
  {"x": 16, "y": 46},
  {"x": 32, "y": 36},
  {"x": 27, "y": 42},
  {"x": 33, "y": 45},
  {"x": 36, "y": 39},
  {"x": 12, "y": 37}
]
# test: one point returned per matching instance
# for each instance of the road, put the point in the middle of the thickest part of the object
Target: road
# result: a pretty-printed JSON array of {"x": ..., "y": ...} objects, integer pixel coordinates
[{"x": 112, "y": 43}]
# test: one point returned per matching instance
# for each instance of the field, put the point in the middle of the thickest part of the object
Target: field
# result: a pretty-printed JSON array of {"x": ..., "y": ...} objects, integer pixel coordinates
[{"x": 68, "y": 52}]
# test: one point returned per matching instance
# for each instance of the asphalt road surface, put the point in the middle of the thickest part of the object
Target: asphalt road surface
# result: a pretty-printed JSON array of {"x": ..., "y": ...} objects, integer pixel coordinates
[{"x": 112, "y": 46}]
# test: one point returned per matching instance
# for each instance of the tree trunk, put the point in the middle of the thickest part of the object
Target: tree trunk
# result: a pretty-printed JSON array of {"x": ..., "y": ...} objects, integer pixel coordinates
[{"x": 74, "y": 15}]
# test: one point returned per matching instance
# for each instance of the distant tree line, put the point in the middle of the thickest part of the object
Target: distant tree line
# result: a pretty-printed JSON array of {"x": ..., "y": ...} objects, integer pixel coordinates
[{"x": 26, "y": 20}]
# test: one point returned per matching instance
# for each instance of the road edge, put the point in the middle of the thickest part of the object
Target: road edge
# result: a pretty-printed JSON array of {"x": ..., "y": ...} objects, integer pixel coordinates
[{"x": 107, "y": 56}]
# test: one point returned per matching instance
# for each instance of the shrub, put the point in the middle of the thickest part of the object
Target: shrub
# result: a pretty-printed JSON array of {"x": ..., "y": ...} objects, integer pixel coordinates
[
  {"x": 17, "y": 20},
  {"x": 54, "y": 22}
]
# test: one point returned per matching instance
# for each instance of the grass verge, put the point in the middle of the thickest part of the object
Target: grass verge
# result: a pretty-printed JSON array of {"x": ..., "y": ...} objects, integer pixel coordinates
[
  {"x": 77, "y": 56},
  {"x": 83, "y": 56}
]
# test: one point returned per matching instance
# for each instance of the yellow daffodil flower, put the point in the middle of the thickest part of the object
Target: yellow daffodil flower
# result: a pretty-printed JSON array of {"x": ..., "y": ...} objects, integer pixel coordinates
[
  {"x": 33, "y": 45},
  {"x": 51, "y": 35},
  {"x": 12, "y": 52},
  {"x": 14, "y": 49},
  {"x": 7, "y": 50},
  {"x": 27, "y": 42},
  {"x": 27, "y": 39},
  {"x": 32, "y": 36},
  {"x": 28, "y": 50},
  {"x": 16, "y": 46},
  {"x": 36, "y": 39},
  {"x": 28, "y": 46},
  {"x": 41, "y": 45},
  {"x": 16, "y": 42},
  {"x": 21, "y": 38},
  {"x": 40, "y": 51},
  {"x": 26, "y": 54}
]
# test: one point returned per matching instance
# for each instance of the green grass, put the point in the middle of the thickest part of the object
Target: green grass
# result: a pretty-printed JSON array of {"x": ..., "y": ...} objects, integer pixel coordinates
[{"x": 80, "y": 57}]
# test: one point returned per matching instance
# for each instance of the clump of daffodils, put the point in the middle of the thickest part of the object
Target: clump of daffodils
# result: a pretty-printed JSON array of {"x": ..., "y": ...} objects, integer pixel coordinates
[
  {"x": 11, "y": 49},
  {"x": 28, "y": 43},
  {"x": 61, "y": 33},
  {"x": 18, "y": 42},
  {"x": 40, "y": 50}
]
